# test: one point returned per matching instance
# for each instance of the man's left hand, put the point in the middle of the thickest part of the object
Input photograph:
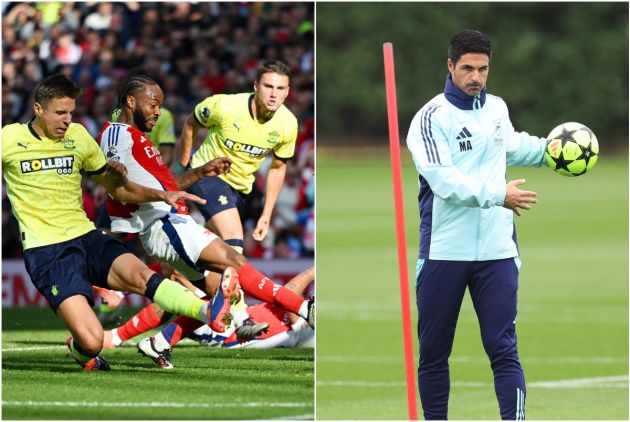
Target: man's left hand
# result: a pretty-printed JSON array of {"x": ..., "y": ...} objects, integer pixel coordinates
[{"x": 261, "y": 229}]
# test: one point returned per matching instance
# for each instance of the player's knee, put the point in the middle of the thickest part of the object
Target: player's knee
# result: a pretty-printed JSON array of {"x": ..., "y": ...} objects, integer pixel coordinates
[
  {"x": 91, "y": 342},
  {"x": 500, "y": 351},
  {"x": 434, "y": 352}
]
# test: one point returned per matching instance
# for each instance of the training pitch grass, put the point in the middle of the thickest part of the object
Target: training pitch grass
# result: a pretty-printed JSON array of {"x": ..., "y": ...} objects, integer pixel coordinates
[
  {"x": 573, "y": 296},
  {"x": 40, "y": 382}
]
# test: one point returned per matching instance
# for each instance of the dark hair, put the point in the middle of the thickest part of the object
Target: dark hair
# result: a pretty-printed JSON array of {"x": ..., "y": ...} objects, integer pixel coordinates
[
  {"x": 55, "y": 86},
  {"x": 129, "y": 87},
  {"x": 468, "y": 41},
  {"x": 273, "y": 66}
]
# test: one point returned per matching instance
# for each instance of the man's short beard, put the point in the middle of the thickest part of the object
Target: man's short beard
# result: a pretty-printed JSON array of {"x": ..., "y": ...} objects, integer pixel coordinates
[{"x": 140, "y": 121}]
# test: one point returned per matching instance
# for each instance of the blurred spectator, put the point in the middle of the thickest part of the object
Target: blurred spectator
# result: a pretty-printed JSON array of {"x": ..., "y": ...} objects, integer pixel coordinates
[
  {"x": 101, "y": 19},
  {"x": 194, "y": 50}
]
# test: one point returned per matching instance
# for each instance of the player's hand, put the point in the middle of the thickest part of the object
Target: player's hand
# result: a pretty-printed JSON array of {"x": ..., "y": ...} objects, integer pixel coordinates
[
  {"x": 216, "y": 167},
  {"x": 516, "y": 198},
  {"x": 116, "y": 169},
  {"x": 262, "y": 227},
  {"x": 172, "y": 197}
]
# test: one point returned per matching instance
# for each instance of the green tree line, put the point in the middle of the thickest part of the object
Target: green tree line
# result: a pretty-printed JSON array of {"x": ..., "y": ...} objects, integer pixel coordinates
[{"x": 552, "y": 63}]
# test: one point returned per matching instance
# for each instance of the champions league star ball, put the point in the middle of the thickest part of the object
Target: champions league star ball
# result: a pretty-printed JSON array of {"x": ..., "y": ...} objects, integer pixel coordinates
[{"x": 572, "y": 149}]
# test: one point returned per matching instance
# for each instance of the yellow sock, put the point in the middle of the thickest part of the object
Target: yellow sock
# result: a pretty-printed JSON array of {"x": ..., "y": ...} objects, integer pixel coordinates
[{"x": 175, "y": 298}]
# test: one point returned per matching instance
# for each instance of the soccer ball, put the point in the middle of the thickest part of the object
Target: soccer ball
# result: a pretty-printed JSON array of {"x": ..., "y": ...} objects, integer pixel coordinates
[{"x": 572, "y": 149}]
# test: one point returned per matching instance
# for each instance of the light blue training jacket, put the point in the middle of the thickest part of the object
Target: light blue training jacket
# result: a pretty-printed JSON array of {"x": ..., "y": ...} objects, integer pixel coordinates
[{"x": 461, "y": 146}]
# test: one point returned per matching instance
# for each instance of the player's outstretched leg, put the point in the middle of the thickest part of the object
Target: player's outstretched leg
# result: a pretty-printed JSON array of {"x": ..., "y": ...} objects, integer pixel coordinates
[
  {"x": 262, "y": 288},
  {"x": 158, "y": 347},
  {"x": 128, "y": 273},
  {"x": 219, "y": 254}
]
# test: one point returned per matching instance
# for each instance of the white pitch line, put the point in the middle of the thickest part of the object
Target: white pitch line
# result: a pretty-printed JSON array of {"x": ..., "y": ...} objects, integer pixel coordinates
[
  {"x": 32, "y": 348},
  {"x": 621, "y": 380},
  {"x": 304, "y": 417},
  {"x": 617, "y": 381},
  {"x": 153, "y": 404}
]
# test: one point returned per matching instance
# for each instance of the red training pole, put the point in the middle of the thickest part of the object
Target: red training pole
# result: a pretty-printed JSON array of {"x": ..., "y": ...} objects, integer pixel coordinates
[{"x": 394, "y": 148}]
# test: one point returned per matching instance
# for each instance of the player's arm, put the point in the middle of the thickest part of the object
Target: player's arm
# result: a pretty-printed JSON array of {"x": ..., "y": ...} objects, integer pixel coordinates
[
  {"x": 524, "y": 149},
  {"x": 114, "y": 179},
  {"x": 212, "y": 168},
  {"x": 431, "y": 154},
  {"x": 275, "y": 179},
  {"x": 188, "y": 137}
]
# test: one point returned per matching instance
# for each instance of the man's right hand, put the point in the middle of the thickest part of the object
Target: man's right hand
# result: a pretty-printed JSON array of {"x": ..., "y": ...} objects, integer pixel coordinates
[{"x": 516, "y": 198}]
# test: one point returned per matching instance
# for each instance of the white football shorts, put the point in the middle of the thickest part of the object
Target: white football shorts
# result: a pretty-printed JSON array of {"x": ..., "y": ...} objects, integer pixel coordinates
[{"x": 178, "y": 240}]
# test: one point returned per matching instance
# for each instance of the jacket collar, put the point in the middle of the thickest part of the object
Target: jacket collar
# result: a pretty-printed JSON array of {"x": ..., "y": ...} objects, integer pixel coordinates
[{"x": 460, "y": 99}]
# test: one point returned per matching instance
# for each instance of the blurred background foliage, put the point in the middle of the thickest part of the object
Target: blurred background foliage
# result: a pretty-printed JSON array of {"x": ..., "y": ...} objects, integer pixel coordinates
[{"x": 552, "y": 63}]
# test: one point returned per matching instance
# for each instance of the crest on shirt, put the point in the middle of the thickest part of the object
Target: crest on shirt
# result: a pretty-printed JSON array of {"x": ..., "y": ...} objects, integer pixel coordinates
[
  {"x": 111, "y": 152},
  {"x": 68, "y": 143},
  {"x": 496, "y": 134},
  {"x": 273, "y": 137}
]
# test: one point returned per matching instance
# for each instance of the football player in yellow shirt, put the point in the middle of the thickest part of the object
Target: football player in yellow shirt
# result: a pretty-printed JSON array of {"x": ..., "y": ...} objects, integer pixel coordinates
[
  {"x": 64, "y": 254},
  {"x": 244, "y": 127}
]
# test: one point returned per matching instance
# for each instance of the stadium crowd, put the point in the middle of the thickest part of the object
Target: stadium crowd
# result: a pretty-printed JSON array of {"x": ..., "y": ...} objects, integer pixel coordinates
[{"x": 194, "y": 50}]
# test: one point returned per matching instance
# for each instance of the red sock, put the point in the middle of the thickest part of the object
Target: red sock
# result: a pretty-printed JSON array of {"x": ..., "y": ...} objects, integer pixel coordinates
[
  {"x": 260, "y": 287},
  {"x": 143, "y": 321},
  {"x": 180, "y": 328}
]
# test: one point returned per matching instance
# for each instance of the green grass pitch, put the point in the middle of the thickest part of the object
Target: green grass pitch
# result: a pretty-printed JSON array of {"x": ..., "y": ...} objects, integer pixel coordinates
[
  {"x": 573, "y": 296},
  {"x": 40, "y": 382}
]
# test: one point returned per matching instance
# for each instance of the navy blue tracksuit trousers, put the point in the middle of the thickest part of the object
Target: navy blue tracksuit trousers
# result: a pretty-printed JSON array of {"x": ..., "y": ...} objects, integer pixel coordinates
[{"x": 439, "y": 293}]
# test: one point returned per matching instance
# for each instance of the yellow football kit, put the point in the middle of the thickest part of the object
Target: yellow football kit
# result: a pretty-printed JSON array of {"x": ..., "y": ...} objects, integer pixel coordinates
[
  {"x": 163, "y": 133},
  {"x": 44, "y": 181},
  {"x": 234, "y": 133}
]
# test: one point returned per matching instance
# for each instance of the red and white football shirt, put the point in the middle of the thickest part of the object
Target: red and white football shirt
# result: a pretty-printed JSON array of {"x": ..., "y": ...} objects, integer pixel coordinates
[{"x": 134, "y": 149}]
